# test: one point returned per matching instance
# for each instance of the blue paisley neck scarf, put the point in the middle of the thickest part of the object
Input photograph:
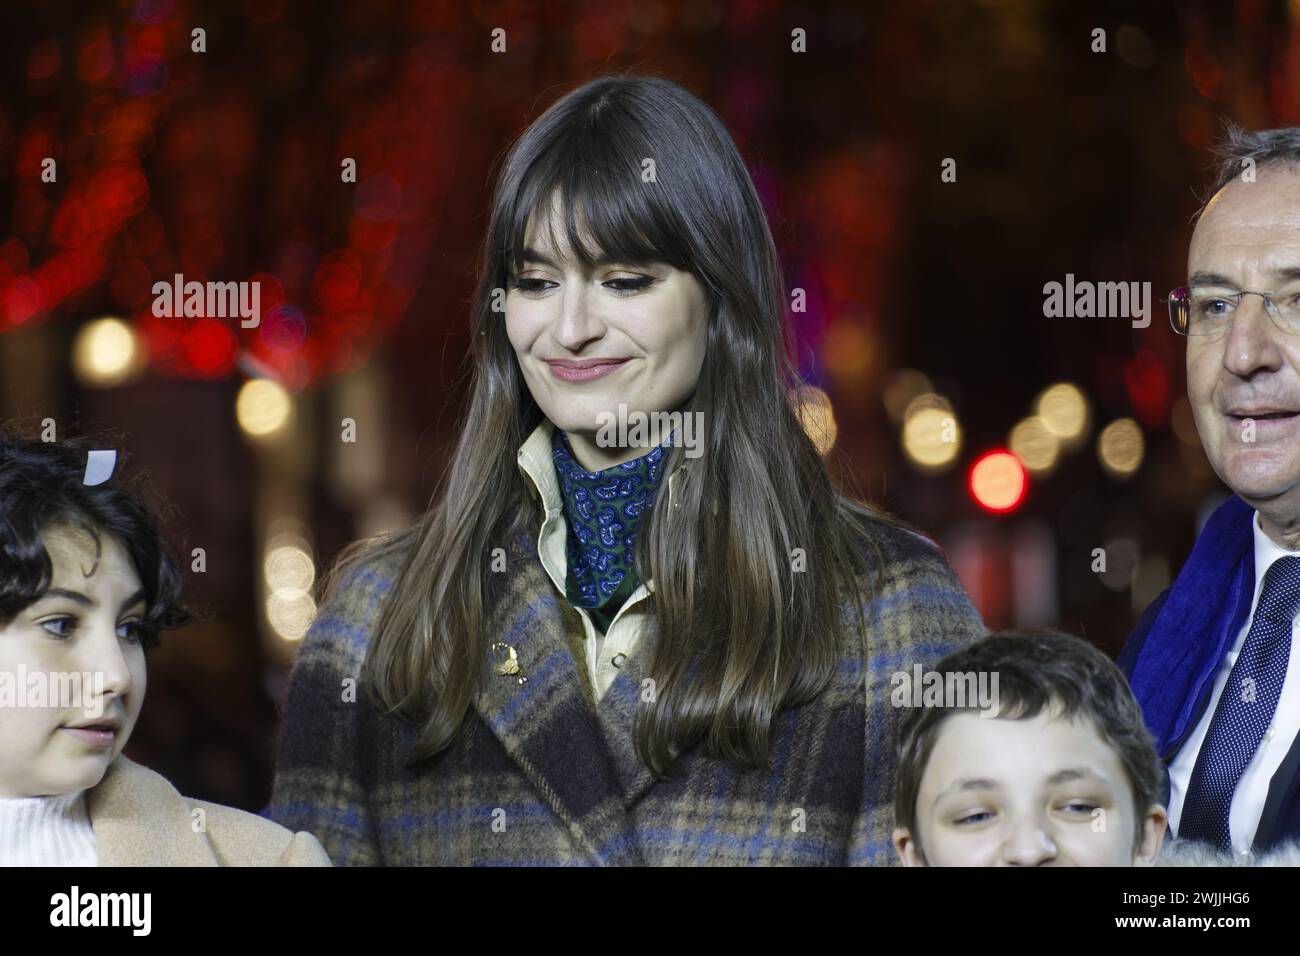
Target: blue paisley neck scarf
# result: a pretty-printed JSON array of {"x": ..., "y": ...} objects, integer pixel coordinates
[{"x": 603, "y": 510}]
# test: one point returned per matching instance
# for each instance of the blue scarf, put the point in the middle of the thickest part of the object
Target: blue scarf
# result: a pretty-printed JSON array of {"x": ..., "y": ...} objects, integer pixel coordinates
[
  {"x": 1205, "y": 610},
  {"x": 604, "y": 511}
]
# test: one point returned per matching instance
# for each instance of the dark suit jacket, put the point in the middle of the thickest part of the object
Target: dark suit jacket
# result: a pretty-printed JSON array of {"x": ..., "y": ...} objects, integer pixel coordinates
[{"x": 1280, "y": 820}]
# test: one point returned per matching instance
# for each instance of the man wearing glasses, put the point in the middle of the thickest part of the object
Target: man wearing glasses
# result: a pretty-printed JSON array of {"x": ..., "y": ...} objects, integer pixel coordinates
[{"x": 1213, "y": 660}]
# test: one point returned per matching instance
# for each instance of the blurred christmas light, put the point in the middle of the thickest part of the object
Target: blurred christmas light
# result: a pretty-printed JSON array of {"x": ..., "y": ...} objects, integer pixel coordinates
[
  {"x": 1035, "y": 445},
  {"x": 343, "y": 295},
  {"x": 44, "y": 60},
  {"x": 263, "y": 408},
  {"x": 1121, "y": 568},
  {"x": 210, "y": 348},
  {"x": 1064, "y": 412},
  {"x": 288, "y": 573},
  {"x": 289, "y": 568},
  {"x": 901, "y": 388},
  {"x": 931, "y": 434},
  {"x": 998, "y": 481},
  {"x": 1146, "y": 379},
  {"x": 23, "y": 300},
  {"x": 106, "y": 353},
  {"x": 1120, "y": 447},
  {"x": 813, "y": 407},
  {"x": 290, "y": 613},
  {"x": 848, "y": 353},
  {"x": 924, "y": 401}
]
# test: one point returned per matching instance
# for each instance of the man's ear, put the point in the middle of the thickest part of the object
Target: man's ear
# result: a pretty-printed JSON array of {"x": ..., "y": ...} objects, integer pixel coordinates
[
  {"x": 905, "y": 847},
  {"x": 1154, "y": 827}
]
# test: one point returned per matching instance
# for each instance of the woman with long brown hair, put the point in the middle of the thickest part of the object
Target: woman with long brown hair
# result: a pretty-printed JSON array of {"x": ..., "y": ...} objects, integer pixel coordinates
[{"x": 600, "y": 645}]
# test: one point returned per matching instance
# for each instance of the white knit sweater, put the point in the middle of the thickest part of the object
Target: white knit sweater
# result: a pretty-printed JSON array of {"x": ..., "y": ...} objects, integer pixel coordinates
[{"x": 46, "y": 831}]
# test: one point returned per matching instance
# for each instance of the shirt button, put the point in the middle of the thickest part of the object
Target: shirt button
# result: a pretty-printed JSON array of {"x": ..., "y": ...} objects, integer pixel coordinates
[
  {"x": 618, "y": 659},
  {"x": 1268, "y": 734}
]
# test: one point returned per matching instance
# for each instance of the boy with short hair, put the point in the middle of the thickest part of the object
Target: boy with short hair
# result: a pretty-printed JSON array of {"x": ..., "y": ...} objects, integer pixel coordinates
[{"x": 1061, "y": 772}]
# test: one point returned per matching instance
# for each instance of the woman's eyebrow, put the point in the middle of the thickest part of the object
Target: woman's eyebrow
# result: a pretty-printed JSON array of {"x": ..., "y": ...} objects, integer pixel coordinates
[
  {"x": 77, "y": 596},
  {"x": 87, "y": 601},
  {"x": 532, "y": 255},
  {"x": 134, "y": 599}
]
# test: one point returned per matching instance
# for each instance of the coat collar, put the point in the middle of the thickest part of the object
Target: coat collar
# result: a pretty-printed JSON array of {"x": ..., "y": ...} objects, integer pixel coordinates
[
  {"x": 583, "y": 762},
  {"x": 140, "y": 819},
  {"x": 536, "y": 461}
]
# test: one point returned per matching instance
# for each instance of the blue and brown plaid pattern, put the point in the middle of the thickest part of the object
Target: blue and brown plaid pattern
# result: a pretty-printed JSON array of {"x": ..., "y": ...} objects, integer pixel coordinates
[{"x": 535, "y": 778}]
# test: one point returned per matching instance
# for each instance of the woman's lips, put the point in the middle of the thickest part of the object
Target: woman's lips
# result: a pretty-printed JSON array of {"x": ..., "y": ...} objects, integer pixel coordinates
[
  {"x": 584, "y": 371},
  {"x": 100, "y": 739}
]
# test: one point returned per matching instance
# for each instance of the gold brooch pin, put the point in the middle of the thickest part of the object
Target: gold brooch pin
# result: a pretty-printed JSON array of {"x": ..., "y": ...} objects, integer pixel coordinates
[{"x": 507, "y": 666}]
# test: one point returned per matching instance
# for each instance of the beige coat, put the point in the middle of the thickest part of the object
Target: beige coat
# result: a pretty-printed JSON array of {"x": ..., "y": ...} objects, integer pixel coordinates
[{"x": 140, "y": 819}]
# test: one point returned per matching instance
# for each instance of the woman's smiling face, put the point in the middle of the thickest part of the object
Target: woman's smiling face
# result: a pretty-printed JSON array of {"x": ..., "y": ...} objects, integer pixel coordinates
[
  {"x": 79, "y": 646},
  {"x": 587, "y": 341}
]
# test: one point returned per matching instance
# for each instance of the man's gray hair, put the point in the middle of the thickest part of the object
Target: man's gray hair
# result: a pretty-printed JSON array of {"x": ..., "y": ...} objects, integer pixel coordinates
[{"x": 1265, "y": 147}]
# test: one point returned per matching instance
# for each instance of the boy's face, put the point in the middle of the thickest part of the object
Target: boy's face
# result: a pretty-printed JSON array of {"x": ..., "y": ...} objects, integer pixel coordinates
[
  {"x": 1033, "y": 792},
  {"x": 72, "y": 658}
]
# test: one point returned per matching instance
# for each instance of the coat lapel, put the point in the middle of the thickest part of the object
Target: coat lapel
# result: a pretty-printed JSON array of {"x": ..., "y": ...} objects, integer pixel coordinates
[
  {"x": 616, "y": 713},
  {"x": 140, "y": 819},
  {"x": 545, "y": 724}
]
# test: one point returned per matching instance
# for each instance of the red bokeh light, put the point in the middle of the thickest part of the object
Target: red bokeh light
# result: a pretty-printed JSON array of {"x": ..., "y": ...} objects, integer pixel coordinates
[
  {"x": 998, "y": 481},
  {"x": 210, "y": 348}
]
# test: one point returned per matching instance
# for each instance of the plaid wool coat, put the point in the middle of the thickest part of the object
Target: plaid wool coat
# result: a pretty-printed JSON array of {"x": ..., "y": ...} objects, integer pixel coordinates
[{"x": 536, "y": 778}]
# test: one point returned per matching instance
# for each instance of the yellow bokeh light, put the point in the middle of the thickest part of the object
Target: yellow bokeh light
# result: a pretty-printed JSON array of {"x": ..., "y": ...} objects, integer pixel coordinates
[
  {"x": 813, "y": 407},
  {"x": 289, "y": 569},
  {"x": 263, "y": 408},
  {"x": 926, "y": 400},
  {"x": 290, "y": 613},
  {"x": 1064, "y": 412},
  {"x": 848, "y": 353},
  {"x": 106, "y": 353},
  {"x": 932, "y": 438},
  {"x": 901, "y": 388},
  {"x": 1120, "y": 447},
  {"x": 1035, "y": 445}
]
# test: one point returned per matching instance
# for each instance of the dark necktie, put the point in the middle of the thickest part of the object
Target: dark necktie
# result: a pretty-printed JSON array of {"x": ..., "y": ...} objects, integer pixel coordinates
[{"x": 1245, "y": 708}]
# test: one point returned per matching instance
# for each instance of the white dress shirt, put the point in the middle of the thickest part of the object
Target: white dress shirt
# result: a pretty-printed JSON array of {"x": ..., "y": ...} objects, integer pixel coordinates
[{"x": 1252, "y": 790}]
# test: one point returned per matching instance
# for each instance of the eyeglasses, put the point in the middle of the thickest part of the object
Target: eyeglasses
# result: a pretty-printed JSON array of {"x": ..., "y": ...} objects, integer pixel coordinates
[{"x": 1209, "y": 312}]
